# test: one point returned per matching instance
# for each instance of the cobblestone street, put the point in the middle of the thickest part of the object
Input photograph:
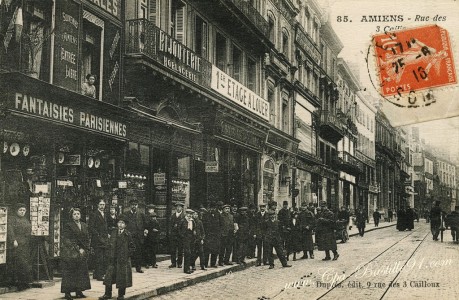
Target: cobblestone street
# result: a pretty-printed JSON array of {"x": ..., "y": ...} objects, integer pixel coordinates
[{"x": 427, "y": 268}]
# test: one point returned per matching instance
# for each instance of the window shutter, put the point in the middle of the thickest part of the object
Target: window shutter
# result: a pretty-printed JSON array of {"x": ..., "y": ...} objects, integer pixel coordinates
[
  {"x": 152, "y": 11},
  {"x": 179, "y": 35},
  {"x": 204, "y": 40}
]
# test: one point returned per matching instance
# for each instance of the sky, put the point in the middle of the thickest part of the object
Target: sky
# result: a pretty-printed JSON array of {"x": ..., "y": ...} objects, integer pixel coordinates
[{"x": 439, "y": 122}]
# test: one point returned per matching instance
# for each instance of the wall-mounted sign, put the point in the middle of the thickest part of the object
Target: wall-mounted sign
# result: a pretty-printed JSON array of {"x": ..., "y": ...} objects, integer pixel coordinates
[
  {"x": 113, "y": 7},
  {"x": 211, "y": 166},
  {"x": 238, "y": 93},
  {"x": 159, "y": 178},
  {"x": 31, "y": 104},
  {"x": 72, "y": 160}
]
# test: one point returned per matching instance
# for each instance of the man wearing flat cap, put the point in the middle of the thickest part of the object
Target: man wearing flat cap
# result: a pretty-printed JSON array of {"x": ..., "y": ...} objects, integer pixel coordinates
[
  {"x": 175, "y": 242},
  {"x": 284, "y": 221},
  {"x": 261, "y": 218},
  {"x": 152, "y": 238},
  {"x": 227, "y": 236},
  {"x": 136, "y": 225},
  {"x": 306, "y": 219}
]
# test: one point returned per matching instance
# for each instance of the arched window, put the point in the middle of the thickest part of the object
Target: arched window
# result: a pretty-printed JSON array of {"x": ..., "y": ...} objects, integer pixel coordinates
[
  {"x": 285, "y": 42},
  {"x": 272, "y": 27}
]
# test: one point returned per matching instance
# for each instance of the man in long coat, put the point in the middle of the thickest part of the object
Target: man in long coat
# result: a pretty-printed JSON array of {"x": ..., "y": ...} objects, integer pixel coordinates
[
  {"x": 227, "y": 236},
  {"x": 435, "y": 220},
  {"x": 187, "y": 230},
  {"x": 361, "y": 220},
  {"x": 261, "y": 218},
  {"x": 326, "y": 240},
  {"x": 119, "y": 270},
  {"x": 136, "y": 225},
  {"x": 212, "y": 227},
  {"x": 284, "y": 221},
  {"x": 273, "y": 239},
  {"x": 99, "y": 233},
  {"x": 242, "y": 235},
  {"x": 175, "y": 242},
  {"x": 306, "y": 219}
]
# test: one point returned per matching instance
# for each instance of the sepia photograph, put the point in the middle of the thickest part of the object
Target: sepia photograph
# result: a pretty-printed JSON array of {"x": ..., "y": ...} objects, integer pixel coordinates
[{"x": 229, "y": 149}]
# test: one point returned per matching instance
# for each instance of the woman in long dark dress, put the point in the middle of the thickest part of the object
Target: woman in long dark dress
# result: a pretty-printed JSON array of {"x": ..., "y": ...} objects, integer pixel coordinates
[
  {"x": 19, "y": 235},
  {"x": 74, "y": 256}
]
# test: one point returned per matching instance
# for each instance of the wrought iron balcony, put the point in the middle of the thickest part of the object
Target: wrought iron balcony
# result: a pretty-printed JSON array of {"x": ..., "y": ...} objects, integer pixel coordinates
[
  {"x": 248, "y": 10},
  {"x": 146, "y": 40},
  {"x": 348, "y": 163},
  {"x": 331, "y": 126}
]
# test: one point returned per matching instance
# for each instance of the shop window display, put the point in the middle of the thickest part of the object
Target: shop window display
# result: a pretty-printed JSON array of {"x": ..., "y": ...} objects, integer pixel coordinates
[{"x": 268, "y": 181}]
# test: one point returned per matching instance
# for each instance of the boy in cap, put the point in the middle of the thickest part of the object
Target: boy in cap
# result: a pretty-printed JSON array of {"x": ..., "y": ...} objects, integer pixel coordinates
[
  {"x": 119, "y": 270},
  {"x": 175, "y": 241},
  {"x": 435, "y": 220},
  {"x": 152, "y": 238}
]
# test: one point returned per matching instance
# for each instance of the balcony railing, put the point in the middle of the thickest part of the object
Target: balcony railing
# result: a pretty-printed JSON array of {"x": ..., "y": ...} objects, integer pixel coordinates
[
  {"x": 328, "y": 118},
  {"x": 145, "y": 38},
  {"x": 246, "y": 8},
  {"x": 349, "y": 162}
]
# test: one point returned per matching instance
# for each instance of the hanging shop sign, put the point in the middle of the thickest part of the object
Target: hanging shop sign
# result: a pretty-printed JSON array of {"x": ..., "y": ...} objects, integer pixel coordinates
[
  {"x": 159, "y": 178},
  {"x": 238, "y": 93},
  {"x": 45, "y": 109},
  {"x": 211, "y": 166}
]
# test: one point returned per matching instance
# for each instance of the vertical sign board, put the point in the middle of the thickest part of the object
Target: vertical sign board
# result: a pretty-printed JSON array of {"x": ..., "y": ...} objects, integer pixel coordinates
[
  {"x": 66, "y": 57},
  {"x": 112, "y": 63}
]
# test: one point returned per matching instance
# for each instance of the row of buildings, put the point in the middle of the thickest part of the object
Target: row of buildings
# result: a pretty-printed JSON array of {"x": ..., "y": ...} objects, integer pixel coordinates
[{"x": 196, "y": 101}]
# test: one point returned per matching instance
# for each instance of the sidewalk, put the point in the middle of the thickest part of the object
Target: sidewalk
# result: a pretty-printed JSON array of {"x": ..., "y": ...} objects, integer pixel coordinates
[
  {"x": 154, "y": 281},
  {"x": 370, "y": 227}
]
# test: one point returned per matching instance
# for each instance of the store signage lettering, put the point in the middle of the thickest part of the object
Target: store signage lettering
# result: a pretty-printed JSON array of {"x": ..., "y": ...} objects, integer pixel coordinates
[
  {"x": 239, "y": 94},
  {"x": 177, "y": 57},
  {"x": 111, "y": 6},
  {"x": 46, "y": 109},
  {"x": 241, "y": 135}
]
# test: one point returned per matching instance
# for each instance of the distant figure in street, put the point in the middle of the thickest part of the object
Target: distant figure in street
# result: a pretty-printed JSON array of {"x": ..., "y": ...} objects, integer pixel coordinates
[
  {"x": 453, "y": 222},
  {"x": 376, "y": 217},
  {"x": 295, "y": 236},
  {"x": 435, "y": 220},
  {"x": 273, "y": 240},
  {"x": 119, "y": 270},
  {"x": 401, "y": 219},
  {"x": 283, "y": 216},
  {"x": 360, "y": 220},
  {"x": 325, "y": 237},
  {"x": 390, "y": 215},
  {"x": 409, "y": 218},
  {"x": 344, "y": 214}
]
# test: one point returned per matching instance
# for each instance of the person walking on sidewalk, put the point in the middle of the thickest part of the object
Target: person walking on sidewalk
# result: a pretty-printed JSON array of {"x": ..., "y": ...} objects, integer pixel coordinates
[
  {"x": 137, "y": 227},
  {"x": 376, "y": 217},
  {"x": 390, "y": 215},
  {"x": 360, "y": 220},
  {"x": 119, "y": 270},
  {"x": 175, "y": 243},
  {"x": 452, "y": 220},
  {"x": 435, "y": 220},
  {"x": 326, "y": 240},
  {"x": 273, "y": 240},
  {"x": 74, "y": 257}
]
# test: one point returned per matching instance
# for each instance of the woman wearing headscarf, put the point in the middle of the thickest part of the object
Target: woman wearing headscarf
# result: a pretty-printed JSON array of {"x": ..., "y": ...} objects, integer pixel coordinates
[
  {"x": 74, "y": 256},
  {"x": 19, "y": 236}
]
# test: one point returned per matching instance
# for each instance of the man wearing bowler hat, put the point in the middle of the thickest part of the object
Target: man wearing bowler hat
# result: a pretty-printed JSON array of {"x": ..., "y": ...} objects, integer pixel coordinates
[
  {"x": 261, "y": 218},
  {"x": 136, "y": 225},
  {"x": 175, "y": 242},
  {"x": 284, "y": 222}
]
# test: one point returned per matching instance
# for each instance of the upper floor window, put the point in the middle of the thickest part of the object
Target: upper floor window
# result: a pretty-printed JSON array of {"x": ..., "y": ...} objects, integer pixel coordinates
[
  {"x": 237, "y": 64},
  {"x": 252, "y": 74},
  {"x": 153, "y": 9},
  {"x": 271, "y": 100},
  {"x": 177, "y": 20},
  {"x": 220, "y": 52},
  {"x": 201, "y": 37},
  {"x": 285, "y": 43},
  {"x": 272, "y": 27},
  {"x": 285, "y": 113}
]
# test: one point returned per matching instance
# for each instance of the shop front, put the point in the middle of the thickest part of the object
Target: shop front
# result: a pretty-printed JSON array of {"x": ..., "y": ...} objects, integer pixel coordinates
[
  {"x": 60, "y": 150},
  {"x": 306, "y": 180}
]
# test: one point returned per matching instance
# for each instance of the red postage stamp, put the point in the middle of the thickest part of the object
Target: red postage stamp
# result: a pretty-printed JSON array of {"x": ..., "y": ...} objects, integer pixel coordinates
[{"x": 414, "y": 59}]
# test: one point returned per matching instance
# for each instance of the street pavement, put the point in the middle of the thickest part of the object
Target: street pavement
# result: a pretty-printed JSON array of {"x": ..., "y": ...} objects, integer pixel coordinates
[{"x": 229, "y": 281}]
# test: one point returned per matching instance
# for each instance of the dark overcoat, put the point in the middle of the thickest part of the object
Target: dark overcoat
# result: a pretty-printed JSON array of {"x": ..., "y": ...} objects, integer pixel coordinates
[
  {"x": 212, "y": 222},
  {"x": 284, "y": 221},
  {"x": 75, "y": 275},
  {"x": 98, "y": 230},
  {"x": 360, "y": 219},
  {"x": 325, "y": 229},
  {"x": 295, "y": 237},
  {"x": 119, "y": 270},
  {"x": 20, "y": 258},
  {"x": 307, "y": 223},
  {"x": 243, "y": 233},
  {"x": 260, "y": 224},
  {"x": 272, "y": 232}
]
